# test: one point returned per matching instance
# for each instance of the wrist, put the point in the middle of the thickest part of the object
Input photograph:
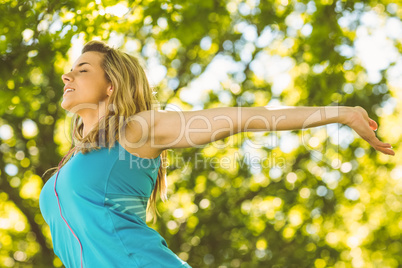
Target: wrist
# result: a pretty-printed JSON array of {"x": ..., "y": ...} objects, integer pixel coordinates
[{"x": 345, "y": 114}]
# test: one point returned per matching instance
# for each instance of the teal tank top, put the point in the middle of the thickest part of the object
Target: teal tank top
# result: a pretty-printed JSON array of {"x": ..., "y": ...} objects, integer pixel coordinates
[{"x": 97, "y": 218}]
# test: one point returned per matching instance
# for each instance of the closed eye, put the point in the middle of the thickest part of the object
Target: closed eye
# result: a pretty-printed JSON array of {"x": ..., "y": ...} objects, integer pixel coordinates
[{"x": 83, "y": 71}]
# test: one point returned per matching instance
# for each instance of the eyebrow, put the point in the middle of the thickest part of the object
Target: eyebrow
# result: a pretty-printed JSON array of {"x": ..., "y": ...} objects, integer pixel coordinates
[{"x": 82, "y": 63}]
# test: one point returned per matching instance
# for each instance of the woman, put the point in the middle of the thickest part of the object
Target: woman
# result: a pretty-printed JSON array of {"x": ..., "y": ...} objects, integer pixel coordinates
[{"x": 95, "y": 204}]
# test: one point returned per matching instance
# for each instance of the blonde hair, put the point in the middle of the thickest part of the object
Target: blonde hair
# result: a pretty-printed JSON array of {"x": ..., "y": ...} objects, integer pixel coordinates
[{"x": 131, "y": 94}]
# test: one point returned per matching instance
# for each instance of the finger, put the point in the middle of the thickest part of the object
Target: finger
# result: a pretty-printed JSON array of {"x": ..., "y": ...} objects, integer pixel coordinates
[
  {"x": 391, "y": 152},
  {"x": 385, "y": 145},
  {"x": 385, "y": 148},
  {"x": 387, "y": 151},
  {"x": 373, "y": 124},
  {"x": 381, "y": 144},
  {"x": 378, "y": 142}
]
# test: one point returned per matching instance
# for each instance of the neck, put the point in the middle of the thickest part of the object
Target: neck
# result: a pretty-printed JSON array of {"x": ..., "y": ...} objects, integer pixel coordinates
[{"x": 91, "y": 117}]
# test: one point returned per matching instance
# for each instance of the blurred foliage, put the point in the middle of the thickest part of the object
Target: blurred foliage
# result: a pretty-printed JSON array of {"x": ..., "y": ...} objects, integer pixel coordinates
[{"x": 328, "y": 201}]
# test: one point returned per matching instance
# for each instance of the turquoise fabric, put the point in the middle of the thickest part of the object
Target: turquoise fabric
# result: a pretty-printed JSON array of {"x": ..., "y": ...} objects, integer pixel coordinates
[{"x": 103, "y": 196}]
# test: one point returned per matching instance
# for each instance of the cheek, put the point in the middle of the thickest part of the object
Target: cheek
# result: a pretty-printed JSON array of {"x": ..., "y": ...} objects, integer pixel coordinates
[
  {"x": 96, "y": 95},
  {"x": 93, "y": 91}
]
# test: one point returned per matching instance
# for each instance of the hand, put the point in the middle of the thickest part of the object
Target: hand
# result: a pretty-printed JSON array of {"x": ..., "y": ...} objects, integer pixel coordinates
[{"x": 360, "y": 122}]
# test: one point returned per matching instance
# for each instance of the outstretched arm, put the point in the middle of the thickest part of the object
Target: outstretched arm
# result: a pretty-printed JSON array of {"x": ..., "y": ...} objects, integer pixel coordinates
[{"x": 171, "y": 129}]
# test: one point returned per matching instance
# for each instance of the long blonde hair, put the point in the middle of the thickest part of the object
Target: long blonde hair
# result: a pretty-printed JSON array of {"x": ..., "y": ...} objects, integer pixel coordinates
[{"x": 131, "y": 94}]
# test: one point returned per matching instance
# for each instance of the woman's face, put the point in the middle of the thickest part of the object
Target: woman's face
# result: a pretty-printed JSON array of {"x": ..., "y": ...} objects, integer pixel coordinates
[{"x": 86, "y": 86}]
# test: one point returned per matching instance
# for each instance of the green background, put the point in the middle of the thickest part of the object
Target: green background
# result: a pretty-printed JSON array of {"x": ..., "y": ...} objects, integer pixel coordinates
[{"x": 321, "y": 204}]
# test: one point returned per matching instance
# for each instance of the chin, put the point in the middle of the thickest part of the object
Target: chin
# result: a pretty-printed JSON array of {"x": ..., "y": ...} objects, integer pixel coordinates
[{"x": 67, "y": 105}]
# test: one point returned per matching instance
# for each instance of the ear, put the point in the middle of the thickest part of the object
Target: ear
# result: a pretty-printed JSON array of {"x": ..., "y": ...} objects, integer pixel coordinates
[{"x": 110, "y": 91}]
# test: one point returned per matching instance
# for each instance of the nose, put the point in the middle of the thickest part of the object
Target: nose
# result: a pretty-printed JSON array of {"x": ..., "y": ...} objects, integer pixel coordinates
[{"x": 66, "y": 78}]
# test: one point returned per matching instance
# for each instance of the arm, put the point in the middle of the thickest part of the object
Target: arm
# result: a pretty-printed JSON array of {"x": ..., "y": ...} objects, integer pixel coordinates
[{"x": 170, "y": 129}]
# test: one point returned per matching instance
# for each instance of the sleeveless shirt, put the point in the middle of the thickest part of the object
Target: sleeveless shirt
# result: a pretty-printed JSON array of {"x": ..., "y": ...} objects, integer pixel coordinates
[{"x": 103, "y": 196}]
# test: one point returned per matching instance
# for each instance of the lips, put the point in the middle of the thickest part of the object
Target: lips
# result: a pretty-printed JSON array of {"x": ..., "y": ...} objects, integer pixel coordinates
[{"x": 68, "y": 90}]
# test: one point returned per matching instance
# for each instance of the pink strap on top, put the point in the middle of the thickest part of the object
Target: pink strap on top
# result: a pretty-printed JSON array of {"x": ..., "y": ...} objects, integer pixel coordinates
[{"x": 58, "y": 201}]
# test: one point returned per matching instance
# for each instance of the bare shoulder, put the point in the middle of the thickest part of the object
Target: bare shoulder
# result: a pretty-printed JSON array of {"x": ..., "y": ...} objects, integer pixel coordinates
[{"x": 136, "y": 136}]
